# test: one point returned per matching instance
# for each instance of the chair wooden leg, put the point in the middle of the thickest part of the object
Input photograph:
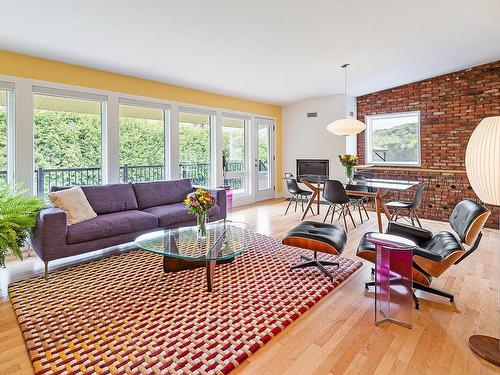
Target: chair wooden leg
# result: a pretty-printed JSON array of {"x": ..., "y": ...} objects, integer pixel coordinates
[
  {"x": 289, "y": 203},
  {"x": 327, "y": 213},
  {"x": 345, "y": 221},
  {"x": 334, "y": 211},
  {"x": 359, "y": 209},
  {"x": 411, "y": 218},
  {"x": 366, "y": 212},
  {"x": 349, "y": 211},
  {"x": 418, "y": 220},
  {"x": 392, "y": 215},
  {"x": 296, "y": 202},
  {"x": 302, "y": 202}
]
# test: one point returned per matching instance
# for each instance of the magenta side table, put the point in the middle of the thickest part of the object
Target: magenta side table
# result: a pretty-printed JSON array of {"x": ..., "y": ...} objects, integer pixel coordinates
[{"x": 393, "y": 278}]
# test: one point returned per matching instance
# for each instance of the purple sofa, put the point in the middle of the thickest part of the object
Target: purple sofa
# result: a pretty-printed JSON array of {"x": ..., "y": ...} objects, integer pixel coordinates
[{"x": 124, "y": 211}]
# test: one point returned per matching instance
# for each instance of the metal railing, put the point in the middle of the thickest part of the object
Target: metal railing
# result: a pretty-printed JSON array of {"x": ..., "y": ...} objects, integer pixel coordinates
[{"x": 199, "y": 173}]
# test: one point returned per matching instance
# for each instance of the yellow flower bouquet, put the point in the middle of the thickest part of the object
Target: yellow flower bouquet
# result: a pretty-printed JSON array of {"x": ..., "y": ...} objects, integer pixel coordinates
[{"x": 348, "y": 162}]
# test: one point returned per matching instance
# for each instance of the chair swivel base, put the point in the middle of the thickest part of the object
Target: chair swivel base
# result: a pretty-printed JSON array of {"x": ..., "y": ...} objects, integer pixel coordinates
[{"x": 315, "y": 262}]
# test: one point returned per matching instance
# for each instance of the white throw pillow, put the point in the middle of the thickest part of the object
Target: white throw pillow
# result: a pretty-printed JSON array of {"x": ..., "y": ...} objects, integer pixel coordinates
[{"x": 74, "y": 202}]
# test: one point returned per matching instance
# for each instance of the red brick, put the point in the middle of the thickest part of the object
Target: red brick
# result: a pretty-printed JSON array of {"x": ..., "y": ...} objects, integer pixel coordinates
[{"x": 450, "y": 108}]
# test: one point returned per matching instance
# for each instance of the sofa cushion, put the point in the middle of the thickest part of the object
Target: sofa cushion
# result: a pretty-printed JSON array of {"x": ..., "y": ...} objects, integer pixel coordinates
[
  {"x": 176, "y": 213},
  {"x": 112, "y": 224},
  {"x": 159, "y": 193},
  {"x": 74, "y": 202},
  {"x": 105, "y": 199}
]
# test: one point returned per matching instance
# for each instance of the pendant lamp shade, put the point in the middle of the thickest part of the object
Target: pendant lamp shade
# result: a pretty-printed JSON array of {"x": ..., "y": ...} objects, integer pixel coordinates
[
  {"x": 482, "y": 160},
  {"x": 346, "y": 126}
]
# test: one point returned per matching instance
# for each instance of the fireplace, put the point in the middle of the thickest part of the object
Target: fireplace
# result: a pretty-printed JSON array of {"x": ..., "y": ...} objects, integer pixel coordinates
[{"x": 310, "y": 169}]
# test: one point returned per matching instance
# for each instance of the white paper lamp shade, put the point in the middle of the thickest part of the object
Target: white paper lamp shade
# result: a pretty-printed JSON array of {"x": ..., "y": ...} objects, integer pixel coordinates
[
  {"x": 346, "y": 126},
  {"x": 482, "y": 160}
]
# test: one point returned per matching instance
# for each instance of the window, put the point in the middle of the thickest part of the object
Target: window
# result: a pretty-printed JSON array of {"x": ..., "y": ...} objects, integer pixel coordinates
[
  {"x": 142, "y": 142},
  {"x": 234, "y": 153},
  {"x": 195, "y": 146},
  {"x": 67, "y": 139},
  {"x": 393, "y": 139},
  {"x": 6, "y": 97}
]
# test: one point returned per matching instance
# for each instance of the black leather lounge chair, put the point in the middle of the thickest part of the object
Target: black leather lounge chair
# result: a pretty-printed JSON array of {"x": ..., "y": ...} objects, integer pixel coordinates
[{"x": 436, "y": 253}]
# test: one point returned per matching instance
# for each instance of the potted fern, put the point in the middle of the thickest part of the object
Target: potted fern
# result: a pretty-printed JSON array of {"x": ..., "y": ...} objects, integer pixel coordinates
[{"x": 18, "y": 213}]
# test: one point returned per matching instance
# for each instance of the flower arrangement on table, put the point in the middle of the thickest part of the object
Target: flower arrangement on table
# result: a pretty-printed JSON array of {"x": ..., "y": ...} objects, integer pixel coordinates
[
  {"x": 348, "y": 162},
  {"x": 199, "y": 202}
]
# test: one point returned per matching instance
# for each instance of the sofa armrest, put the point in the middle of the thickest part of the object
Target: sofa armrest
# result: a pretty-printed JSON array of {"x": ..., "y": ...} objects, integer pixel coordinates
[
  {"x": 418, "y": 235},
  {"x": 49, "y": 233},
  {"x": 219, "y": 195}
]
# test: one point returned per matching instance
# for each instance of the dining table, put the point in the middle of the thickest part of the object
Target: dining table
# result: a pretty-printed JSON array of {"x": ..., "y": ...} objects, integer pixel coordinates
[{"x": 368, "y": 187}]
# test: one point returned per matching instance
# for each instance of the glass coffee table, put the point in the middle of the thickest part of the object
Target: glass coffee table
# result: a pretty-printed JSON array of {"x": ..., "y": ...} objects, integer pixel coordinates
[{"x": 183, "y": 249}]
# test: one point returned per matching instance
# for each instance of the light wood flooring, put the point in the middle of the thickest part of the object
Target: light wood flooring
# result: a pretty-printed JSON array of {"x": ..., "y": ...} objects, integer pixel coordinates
[{"x": 338, "y": 336}]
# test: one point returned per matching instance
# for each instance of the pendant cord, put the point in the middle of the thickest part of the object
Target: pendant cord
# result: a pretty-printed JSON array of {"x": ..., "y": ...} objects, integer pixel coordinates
[
  {"x": 345, "y": 92},
  {"x": 345, "y": 88}
]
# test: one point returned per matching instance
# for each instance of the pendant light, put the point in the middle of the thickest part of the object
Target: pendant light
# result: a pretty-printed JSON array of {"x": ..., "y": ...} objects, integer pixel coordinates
[{"x": 346, "y": 126}]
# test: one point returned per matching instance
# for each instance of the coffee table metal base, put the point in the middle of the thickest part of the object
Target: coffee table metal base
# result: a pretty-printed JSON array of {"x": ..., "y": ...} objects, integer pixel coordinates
[{"x": 175, "y": 264}]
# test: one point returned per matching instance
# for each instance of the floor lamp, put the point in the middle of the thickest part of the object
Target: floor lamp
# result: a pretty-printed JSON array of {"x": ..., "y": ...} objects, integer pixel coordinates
[{"x": 482, "y": 162}]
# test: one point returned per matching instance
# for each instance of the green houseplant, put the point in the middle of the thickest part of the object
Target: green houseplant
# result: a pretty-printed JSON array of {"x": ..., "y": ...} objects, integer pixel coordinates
[{"x": 18, "y": 213}]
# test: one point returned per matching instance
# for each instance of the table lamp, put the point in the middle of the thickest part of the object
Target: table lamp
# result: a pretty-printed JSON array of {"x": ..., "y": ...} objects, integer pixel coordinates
[{"x": 482, "y": 163}]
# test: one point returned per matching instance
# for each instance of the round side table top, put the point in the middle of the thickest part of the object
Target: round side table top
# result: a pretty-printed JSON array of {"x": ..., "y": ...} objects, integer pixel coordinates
[{"x": 391, "y": 241}]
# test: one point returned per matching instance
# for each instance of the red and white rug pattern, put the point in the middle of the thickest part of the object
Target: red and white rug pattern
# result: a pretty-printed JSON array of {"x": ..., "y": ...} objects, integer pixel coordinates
[{"x": 123, "y": 314}]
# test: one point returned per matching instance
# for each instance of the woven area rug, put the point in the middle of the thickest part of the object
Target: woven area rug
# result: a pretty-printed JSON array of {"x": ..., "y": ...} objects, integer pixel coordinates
[{"x": 123, "y": 314}]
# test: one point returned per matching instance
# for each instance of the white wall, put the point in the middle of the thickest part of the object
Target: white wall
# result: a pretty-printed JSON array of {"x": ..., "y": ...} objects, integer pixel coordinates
[{"x": 307, "y": 138}]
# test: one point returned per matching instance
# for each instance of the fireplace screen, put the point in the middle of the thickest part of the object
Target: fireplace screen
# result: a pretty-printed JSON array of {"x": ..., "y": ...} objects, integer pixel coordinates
[{"x": 313, "y": 168}]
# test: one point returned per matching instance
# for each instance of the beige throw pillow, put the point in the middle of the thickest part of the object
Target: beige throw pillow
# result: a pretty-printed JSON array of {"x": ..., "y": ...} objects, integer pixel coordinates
[{"x": 74, "y": 202}]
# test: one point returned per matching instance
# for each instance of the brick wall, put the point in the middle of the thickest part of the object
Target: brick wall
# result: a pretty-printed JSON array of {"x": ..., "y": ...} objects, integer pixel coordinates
[{"x": 450, "y": 108}]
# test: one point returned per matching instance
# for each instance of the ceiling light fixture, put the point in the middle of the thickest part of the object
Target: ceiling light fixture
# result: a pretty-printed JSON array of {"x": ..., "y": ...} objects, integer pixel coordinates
[{"x": 346, "y": 126}]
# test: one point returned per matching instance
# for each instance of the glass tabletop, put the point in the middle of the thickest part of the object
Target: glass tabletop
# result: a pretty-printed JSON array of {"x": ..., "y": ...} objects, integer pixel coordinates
[{"x": 224, "y": 240}]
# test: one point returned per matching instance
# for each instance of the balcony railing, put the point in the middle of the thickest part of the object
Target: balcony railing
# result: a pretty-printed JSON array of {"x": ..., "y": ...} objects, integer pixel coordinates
[{"x": 199, "y": 173}]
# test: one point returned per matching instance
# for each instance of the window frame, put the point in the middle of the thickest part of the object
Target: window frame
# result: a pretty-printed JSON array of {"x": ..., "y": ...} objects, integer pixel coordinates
[
  {"x": 76, "y": 95},
  {"x": 166, "y": 108},
  {"x": 10, "y": 95},
  {"x": 212, "y": 163},
  {"x": 369, "y": 139},
  {"x": 246, "y": 174}
]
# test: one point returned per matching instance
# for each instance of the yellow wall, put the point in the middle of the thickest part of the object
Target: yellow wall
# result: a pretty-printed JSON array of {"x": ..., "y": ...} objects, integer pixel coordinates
[{"x": 13, "y": 64}]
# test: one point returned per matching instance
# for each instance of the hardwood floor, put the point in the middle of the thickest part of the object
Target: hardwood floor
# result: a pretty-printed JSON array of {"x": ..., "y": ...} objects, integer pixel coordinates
[{"x": 337, "y": 336}]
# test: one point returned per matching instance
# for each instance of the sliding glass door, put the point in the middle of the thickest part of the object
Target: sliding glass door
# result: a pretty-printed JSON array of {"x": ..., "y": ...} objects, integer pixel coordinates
[{"x": 264, "y": 160}]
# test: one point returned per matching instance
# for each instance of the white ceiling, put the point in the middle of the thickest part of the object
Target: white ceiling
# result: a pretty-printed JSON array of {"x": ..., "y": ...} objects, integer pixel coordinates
[{"x": 276, "y": 51}]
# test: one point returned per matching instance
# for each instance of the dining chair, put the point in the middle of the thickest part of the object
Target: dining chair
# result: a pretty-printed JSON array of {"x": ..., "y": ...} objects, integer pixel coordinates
[
  {"x": 296, "y": 192},
  {"x": 335, "y": 194},
  {"x": 409, "y": 207},
  {"x": 359, "y": 201}
]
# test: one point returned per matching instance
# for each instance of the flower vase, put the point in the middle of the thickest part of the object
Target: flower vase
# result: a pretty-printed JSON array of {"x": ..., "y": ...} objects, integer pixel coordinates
[
  {"x": 201, "y": 222},
  {"x": 349, "y": 172}
]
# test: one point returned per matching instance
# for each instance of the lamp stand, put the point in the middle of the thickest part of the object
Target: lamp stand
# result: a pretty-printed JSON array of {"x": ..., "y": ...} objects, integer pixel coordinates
[{"x": 486, "y": 347}]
